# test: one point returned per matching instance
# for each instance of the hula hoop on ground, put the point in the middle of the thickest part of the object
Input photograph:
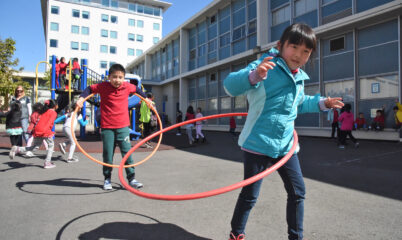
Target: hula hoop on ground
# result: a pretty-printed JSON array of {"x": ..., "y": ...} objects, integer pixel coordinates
[
  {"x": 128, "y": 154},
  {"x": 211, "y": 192}
]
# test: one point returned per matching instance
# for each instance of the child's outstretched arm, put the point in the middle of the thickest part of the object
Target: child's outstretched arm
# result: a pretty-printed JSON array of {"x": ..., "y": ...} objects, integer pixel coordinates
[
  {"x": 83, "y": 122},
  {"x": 238, "y": 83},
  {"x": 59, "y": 119}
]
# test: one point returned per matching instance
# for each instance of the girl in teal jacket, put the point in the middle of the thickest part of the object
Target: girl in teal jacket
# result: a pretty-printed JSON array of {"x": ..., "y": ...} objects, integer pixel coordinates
[{"x": 274, "y": 86}]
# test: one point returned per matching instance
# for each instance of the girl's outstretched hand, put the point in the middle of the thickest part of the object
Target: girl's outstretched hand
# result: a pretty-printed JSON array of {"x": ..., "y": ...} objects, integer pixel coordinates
[
  {"x": 334, "y": 102},
  {"x": 264, "y": 66}
]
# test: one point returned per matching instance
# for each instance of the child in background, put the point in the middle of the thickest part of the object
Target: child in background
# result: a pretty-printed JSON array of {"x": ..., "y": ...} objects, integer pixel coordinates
[
  {"x": 198, "y": 126},
  {"x": 62, "y": 75},
  {"x": 398, "y": 115},
  {"x": 67, "y": 131},
  {"x": 57, "y": 73},
  {"x": 346, "y": 119},
  {"x": 360, "y": 122},
  {"x": 333, "y": 116},
  {"x": 232, "y": 125},
  {"x": 379, "y": 121},
  {"x": 179, "y": 119},
  {"x": 42, "y": 131},
  {"x": 145, "y": 118},
  {"x": 33, "y": 120},
  {"x": 76, "y": 74},
  {"x": 189, "y": 127},
  {"x": 115, "y": 120},
  {"x": 13, "y": 123},
  {"x": 274, "y": 86}
]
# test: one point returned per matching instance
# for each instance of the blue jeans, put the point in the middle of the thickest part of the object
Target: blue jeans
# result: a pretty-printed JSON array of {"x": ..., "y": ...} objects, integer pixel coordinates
[
  {"x": 25, "y": 123},
  {"x": 291, "y": 176}
]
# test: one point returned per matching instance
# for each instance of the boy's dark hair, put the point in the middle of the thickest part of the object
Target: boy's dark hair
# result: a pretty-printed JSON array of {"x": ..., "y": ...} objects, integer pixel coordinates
[
  {"x": 116, "y": 68},
  {"x": 379, "y": 111},
  {"x": 348, "y": 107},
  {"x": 149, "y": 95},
  {"x": 199, "y": 109},
  {"x": 396, "y": 108},
  {"x": 299, "y": 33},
  {"x": 190, "y": 109},
  {"x": 37, "y": 107}
]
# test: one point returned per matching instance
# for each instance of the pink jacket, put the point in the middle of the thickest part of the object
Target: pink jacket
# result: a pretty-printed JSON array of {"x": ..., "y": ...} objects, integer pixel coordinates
[{"x": 346, "y": 119}]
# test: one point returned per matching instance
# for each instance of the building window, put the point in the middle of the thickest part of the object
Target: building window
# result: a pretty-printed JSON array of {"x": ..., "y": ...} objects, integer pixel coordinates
[
  {"x": 224, "y": 40},
  {"x": 115, "y": 4},
  {"x": 111, "y": 64},
  {"x": 103, "y": 64},
  {"x": 304, "y": 6},
  {"x": 113, "y": 19},
  {"x": 85, "y": 14},
  {"x": 139, "y": 52},
  {"x": 140, "y": 38},
  {"x": 113, "y": 34},
  {"x": 74, "y": 45},
  {"x": 155, "y": 40},
  {"x": 54, "y": 26},
  {"x": 106, "y": 3},
  {"x": 157, "y": 26},
  {"x": 103, "y": 48},
  {"x": 337, "y": 44},
  {"x": 86, "y": 1},
  {"x": 131, "y": 22},
  {"x": 54, "y": 10},
  {"x": 84, "y": 46},
  {"x": 112, "y": 49},
  {"x": 130, "y": 51},
  {"x": 75, "y": 29},
  {"x": 239, "y": 33},
  {"x": 76, "y": 13},
  {"x": 104, "y": 33},
  {"x": 85, "y": 30},
  {"x": 105, "y": 18},
  {"x": 131, "y": 7},
  {"x": 140, "y": 23},
  {"x": 53, "y": 43},
  {"x": 281, "y": 15},
  {"x": 131, "y": 37}
]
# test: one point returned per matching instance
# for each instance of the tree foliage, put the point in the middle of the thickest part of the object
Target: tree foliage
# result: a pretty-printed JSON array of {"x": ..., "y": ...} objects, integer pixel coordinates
[{"x": 8, "y": 79}]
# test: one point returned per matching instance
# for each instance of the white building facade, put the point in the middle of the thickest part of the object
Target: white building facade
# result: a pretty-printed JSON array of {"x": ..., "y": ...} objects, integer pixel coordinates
[{"x": 102, "y": 31}]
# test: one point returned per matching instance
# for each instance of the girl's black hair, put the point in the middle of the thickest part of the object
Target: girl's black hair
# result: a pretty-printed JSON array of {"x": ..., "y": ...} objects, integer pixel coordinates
[
  {"x": 149, "y": 95},
  {"x": 348, "y": 107},
  {"x": 299, "y": 33},
  {"x": 37, "y": 107},
  {"x": 190, "y": 109},
  {"x": 199, "y": 109},
  {"x": 49, "y": 104}
]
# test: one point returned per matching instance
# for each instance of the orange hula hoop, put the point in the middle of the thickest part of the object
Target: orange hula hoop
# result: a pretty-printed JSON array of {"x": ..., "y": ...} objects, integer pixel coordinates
[{"x": 115, "y": 165}]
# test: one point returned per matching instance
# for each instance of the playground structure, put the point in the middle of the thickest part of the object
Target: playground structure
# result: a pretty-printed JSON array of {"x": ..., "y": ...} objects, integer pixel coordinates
[{"x": 88, "y": 77}]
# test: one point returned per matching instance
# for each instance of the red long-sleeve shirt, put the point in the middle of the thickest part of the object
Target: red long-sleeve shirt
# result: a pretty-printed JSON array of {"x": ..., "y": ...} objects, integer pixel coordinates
[{"x": 45, "y": 124}]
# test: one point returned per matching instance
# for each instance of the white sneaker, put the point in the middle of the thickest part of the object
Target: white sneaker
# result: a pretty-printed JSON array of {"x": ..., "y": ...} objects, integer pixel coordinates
[
  {"x": 107, "y": 185},
  {"x": 341, "y": 146},
  {"x": 29, "y": 154},
  {"x": 178, "y": 134},
  {"x": 13, "y": 151},
  {"x": 48, "y": 165},
  {"x": 61, "y": 145},
  {"x": 135, "y": 184},
  {"x": 73, "y": 160}
]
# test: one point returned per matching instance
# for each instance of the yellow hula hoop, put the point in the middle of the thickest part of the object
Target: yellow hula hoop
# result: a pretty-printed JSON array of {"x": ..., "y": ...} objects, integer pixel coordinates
[{"x": 114, "y": 165}]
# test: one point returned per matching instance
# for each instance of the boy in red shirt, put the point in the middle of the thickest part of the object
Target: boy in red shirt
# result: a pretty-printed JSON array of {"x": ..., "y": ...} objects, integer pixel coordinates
[
  {"x": 360, "y": 122},
  {"x": 62, "y": 72},
  {"x": 379, "y": 121},
  {"x": 115, "y": 120}
]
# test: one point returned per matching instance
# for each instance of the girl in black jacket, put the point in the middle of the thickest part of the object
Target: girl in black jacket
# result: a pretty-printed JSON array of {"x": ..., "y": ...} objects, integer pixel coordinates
[{"x": 13, "y": 123}]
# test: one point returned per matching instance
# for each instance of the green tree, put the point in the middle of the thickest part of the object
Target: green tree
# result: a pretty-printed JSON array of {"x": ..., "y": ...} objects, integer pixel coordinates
[{"x": 8, "y": 79}]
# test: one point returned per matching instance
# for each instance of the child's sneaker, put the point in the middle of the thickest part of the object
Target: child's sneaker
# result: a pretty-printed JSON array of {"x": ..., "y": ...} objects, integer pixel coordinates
[
  {"x": 61, "y": 145},
  {"x": 341, "y": 146},
  {"x": 49, "y": 165},
  {"x": 73, "y": 160},
  {"x": 238, "y": 237},
  {"x": 356, "y": 145},
  {"x": 135, "y": 184},
  {"x": 29, "y": 154},
  {"x": 13, "y": 151},
  {"x": 107, "y": 185}
]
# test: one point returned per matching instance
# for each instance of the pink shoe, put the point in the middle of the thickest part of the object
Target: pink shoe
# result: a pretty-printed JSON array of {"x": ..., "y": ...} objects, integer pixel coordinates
[
  {"x": 238, "y": 237},
  {"x": 49, "y": 165}
]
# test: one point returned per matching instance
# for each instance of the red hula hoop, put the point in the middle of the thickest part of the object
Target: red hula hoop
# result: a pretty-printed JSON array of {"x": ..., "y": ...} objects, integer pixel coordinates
[{"x": 210, "y": 193}]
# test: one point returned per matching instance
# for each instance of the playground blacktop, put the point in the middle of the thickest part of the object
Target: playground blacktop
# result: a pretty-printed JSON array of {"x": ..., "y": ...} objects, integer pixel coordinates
[{"x": 351, "y": 194}]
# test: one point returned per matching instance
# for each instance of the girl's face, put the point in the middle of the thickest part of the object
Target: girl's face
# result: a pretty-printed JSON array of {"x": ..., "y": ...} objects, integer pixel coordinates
[{"x": 294, "y": 55}]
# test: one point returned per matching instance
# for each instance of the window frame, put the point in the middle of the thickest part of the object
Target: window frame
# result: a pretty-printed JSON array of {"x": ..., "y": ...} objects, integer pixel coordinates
[
  {"x": 54, "y": 41},
  {"x": 55, "y": 7},
  {"x": 337, "y": 38},
  {"x": 75, "y": 11},
  {"x": 78, "y": 45}
]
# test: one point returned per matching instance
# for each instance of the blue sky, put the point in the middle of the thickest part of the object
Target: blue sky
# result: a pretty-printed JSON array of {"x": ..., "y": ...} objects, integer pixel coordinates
[{"x": 22, "y": 21}]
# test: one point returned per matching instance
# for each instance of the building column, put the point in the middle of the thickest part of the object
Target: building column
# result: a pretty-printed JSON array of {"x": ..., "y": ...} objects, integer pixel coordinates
[{"x": 263, "y": 24}]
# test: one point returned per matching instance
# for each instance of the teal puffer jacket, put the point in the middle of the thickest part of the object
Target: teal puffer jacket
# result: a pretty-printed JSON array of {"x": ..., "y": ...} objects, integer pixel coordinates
[{"x": 273, "y": 106}]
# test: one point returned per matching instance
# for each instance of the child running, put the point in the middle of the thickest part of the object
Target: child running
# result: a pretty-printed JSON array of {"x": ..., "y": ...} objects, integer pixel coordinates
[
  {"x": 274, "y": 86},
  {"x": 67, "y": 131},
  {"x": 198, "y": 126},
  {"x": 42, "y": 131},
  {"x": 33, "y": 120},
  {"x": 346, "y": 120},
  {"x": 189, "y": 127},
  {"x": 115, "y": 120}
]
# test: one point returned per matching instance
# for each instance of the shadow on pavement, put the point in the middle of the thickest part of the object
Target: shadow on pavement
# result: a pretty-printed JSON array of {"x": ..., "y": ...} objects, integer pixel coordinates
[
  {"x": 132, "y": 230},
  {"x": 68, "y": 182}
]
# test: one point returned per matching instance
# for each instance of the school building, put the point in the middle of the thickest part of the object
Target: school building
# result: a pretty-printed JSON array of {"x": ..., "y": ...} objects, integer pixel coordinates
[
  {"x": 358, "y": 56},
  {"x": 102, "y": 31}
]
